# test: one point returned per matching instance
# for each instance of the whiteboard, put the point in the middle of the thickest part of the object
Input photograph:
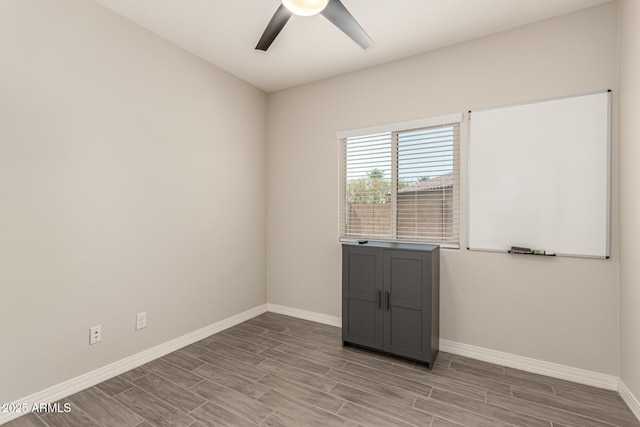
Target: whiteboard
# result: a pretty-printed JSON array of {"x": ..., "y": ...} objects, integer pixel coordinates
[{"x": 539, "y": 176}]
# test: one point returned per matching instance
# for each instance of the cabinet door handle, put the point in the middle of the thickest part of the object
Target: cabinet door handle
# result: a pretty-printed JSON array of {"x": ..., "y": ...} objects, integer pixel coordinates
[
  {"x": 379, "y": 298},
  {"x": 386, "y": 300}
]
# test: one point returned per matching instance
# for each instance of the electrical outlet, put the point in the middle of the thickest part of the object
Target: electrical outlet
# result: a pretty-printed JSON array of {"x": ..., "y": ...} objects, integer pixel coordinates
[
  {"x": 141, "y": 320},
  {"x": 95, "y": 334}
]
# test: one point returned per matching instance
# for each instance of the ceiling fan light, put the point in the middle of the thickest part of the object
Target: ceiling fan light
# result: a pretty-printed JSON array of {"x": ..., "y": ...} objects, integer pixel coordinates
[{"x": 305, "y": 7}]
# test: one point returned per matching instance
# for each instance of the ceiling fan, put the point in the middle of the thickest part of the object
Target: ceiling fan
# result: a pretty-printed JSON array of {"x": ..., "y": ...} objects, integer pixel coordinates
[{"x": 333, "y": 10}]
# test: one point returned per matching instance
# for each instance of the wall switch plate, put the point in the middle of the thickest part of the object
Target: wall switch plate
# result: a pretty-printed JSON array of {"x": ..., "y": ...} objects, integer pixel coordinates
[
  {"x": 141, "y": 320},
  {"x": 95, "y": 335}
]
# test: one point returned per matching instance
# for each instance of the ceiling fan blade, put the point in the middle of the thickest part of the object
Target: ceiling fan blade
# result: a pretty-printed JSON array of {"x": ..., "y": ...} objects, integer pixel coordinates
[
  {"x": 274, "y": 27},
  {"x": 341, "y": 18}
]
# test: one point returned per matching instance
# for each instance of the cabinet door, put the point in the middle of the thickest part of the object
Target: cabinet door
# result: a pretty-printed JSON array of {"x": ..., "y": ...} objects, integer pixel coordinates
[
  {"x": 362, "y": 296},
  {"x": 407, "y": 320}
]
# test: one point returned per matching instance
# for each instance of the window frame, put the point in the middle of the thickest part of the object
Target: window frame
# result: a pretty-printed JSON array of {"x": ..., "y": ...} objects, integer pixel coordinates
[{"x": 394, "y": 129}]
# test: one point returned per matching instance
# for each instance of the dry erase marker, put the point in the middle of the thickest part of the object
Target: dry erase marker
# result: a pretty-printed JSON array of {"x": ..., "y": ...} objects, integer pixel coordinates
[{"x": 543, "y": 252}]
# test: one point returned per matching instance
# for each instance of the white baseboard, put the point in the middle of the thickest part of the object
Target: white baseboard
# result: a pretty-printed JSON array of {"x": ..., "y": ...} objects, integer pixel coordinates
[
  {"x": 535, "y": 366},
  {"x": 92, "y": 378},
  {"x": 304, "y": 314},
  {"x": 629, "y": 399}
]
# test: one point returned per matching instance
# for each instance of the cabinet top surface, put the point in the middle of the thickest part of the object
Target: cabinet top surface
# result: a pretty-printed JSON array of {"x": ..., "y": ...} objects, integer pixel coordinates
[{"x": 393, "y": 245}]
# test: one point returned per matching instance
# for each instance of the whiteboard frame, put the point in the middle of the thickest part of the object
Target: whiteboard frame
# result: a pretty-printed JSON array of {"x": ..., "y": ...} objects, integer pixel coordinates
[{"x": 608, "y": 172}]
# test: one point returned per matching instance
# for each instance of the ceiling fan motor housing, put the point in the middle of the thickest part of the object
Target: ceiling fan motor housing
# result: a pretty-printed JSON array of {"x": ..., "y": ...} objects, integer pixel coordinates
[
  {"x": 333, "y": 10},
  {"x": 305, "y": 7}
]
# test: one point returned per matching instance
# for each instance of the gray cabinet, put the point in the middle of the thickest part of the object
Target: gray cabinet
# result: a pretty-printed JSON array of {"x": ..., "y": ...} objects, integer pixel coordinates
[{"x": 390, "y": 298}]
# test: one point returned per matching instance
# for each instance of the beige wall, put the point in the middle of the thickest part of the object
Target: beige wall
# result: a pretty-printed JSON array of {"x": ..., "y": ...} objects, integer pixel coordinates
[
  {"x": 629, "y": 190},
  {"x": 561, "y": 310},
  {"x": 131, "y": 179}
]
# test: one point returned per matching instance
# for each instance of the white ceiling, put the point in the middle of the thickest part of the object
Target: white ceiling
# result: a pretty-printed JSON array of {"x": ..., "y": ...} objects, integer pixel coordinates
[{"x": 225, "y": 32}]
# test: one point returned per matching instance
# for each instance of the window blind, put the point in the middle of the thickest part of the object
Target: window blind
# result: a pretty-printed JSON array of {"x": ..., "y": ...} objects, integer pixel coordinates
[{"x": 401, "y": 185}]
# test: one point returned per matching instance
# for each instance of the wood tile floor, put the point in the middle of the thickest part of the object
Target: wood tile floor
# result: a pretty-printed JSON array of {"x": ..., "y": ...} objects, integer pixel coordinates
[{"x": 275, "y": 370}]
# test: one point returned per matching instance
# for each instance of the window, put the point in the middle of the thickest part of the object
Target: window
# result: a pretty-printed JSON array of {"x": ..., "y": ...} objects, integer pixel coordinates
[{"x": 401, "y": 182}]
